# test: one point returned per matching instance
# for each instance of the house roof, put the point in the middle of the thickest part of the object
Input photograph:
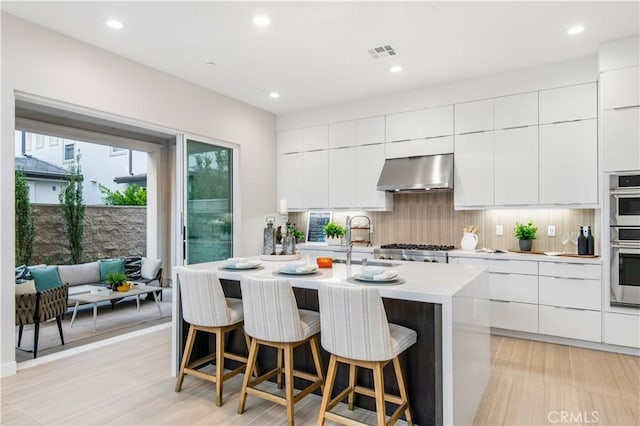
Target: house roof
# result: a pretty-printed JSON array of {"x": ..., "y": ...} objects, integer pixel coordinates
[{"x": 36, "y": 168}]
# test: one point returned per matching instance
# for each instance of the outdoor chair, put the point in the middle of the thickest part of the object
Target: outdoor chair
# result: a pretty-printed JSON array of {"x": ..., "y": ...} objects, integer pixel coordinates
[{"x": 41, "y": 306}]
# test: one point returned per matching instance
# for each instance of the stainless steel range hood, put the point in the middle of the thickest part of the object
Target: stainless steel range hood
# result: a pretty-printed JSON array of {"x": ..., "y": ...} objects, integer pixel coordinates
[{"x": 417, "y": 174}]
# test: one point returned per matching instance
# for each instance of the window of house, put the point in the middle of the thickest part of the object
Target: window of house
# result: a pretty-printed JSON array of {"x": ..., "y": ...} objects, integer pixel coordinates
[
  {"x": 28, "y": 138},
  {"x": 39, "y": 141},
  {"x": 69, "y": 151},
  {"x": 116, "y": 150},
  {"x": 53, "y": 141}
]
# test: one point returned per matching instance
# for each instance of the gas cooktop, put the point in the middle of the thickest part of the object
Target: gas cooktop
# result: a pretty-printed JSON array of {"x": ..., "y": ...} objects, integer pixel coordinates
[{"x": 429, "y": 247}]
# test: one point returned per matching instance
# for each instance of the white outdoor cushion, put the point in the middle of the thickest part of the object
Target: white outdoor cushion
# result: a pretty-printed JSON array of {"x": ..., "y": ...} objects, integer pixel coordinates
[
  {"x": 83, "y": 273},
  {"x": 150, "y": 267},
  {"x": 27, "y": 287}
]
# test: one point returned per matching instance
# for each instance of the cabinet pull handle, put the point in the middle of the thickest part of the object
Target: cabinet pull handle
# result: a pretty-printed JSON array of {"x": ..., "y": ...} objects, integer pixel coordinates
[
  {"x": 500, "y": 273},
  {"x": 569, "y": 308},
  {"x": 626, "y": 107},
  {"x": 501, "y": 301},
  {"x": 567, "y": 278}
]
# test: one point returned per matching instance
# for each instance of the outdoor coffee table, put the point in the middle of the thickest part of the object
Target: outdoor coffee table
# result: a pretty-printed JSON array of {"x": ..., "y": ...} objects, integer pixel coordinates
[{"x": 82, "y": 294}]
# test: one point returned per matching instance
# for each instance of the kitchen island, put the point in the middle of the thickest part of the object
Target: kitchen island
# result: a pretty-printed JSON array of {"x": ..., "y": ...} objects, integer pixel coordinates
[{"x": 448, "y": 305}]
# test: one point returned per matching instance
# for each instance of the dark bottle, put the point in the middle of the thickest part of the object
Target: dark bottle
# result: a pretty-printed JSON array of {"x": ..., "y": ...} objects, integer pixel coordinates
[
  {"x": 582, "y": 242},
  {"x": 590, "y": 242}
]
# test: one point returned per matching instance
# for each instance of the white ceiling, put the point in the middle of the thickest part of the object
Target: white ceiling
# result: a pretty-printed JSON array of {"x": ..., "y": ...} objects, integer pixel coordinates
[{"x": 315, "y": 54}]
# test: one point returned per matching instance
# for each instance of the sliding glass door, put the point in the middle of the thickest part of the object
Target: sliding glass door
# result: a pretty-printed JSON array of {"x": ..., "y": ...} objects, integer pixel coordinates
[{"x": 208, "y": 211}]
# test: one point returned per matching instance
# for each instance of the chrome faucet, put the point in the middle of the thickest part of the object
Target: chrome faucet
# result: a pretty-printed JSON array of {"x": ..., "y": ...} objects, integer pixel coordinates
[{"x": 349, "y": 243}]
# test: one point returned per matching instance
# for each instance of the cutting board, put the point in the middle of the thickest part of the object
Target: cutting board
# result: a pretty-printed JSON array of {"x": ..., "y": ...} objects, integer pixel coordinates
[{"x": 592, "y": 256}]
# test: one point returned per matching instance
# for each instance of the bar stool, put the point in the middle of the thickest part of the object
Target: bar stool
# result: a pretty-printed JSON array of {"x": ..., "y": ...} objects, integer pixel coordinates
[
  {"x": 206, "y": 309},
  {"x": 355, "y": 331},
  {"x": 272, "y": 318}
]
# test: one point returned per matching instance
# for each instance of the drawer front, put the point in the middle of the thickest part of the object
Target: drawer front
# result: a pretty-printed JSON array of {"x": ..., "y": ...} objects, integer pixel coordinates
[
  {"x": 504, "y": 266},
  {"x": 571, "y": 292},
  {"x": 514, "y": 316},
  {"x": 571, "y": 323},
  {"x": 513, "y": 287},
  {"x": 570, "y": 270},
  {"x": 621, "y": 329}
]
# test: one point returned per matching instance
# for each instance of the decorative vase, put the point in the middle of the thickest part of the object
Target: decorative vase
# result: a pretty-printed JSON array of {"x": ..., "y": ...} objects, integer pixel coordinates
[
  {"x": 333, "y": 241},
  {"x": 469, "y": 241},
  {"x": 525, "y": 245}
]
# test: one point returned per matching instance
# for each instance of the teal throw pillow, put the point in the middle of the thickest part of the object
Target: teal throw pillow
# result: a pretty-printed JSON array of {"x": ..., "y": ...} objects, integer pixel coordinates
[
  {"x": 109, "y": 266},
  {"x": 46, "y": 278}
]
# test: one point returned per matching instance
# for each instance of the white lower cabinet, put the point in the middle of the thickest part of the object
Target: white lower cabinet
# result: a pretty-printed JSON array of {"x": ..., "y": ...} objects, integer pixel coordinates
[
  {"x": 514, "y": 316},
  {"x": 622, "y": 329},
  {"x": 554, "y": 298},
  {"x": 571, "y": 300},
  {"x": 513, "y": 290},
  {"x": 572, "y": 323}
]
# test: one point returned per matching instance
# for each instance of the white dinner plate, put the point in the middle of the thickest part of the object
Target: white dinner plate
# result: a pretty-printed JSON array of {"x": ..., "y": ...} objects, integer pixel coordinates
[
  {"x": 360, "y": 277},
  {"x": 234, "y": 267},
  {"x": 289, "y": 272}
]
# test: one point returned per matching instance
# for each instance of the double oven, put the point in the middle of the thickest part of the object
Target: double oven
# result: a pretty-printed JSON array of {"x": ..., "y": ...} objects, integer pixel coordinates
[{"x": 625, "y": 240}]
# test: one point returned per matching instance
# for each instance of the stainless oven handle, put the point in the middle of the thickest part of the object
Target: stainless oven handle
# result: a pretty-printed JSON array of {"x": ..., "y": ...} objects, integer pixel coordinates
[
  {"x": 626, "y": 246},
  {"x": 617, "y": 192}
]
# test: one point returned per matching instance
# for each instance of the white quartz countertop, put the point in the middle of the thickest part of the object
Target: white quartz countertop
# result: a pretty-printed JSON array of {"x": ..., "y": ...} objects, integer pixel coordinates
[
  {"x": 525, "y": 256},
  {"x": 424, "y": 282}
]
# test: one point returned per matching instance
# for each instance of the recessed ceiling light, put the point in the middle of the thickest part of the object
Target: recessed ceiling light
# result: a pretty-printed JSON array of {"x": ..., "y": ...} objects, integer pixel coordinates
[
  {"x": 395, "y": 68},
  {"x": 575, "y": 30},
  {"x": 274, "y": 95},
  {"x": 115, "y": 24},
  {"x": 261, "y": 20}
]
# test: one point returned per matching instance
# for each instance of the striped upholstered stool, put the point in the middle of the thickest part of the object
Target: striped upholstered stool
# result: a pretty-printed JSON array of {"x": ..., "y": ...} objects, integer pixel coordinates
[
  {"x": 272, "y": 318},
  {"x": 356, "y": 332},
  {"x": 206, "y": 309}
]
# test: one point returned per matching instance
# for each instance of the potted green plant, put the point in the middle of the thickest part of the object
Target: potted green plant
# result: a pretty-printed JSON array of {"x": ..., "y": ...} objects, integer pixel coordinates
[
  {"x": 525, "y": 233},
  {"x": 333, "y": 233},
  {"x": 116, "y": 279}
]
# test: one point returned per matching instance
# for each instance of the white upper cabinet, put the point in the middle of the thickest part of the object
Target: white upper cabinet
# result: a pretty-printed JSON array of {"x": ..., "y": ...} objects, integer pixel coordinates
[
  {"x": 474, "y": 116},
  {"x": 422, "y": 123},
  {"x": 342, "y": 134},
  {"x": 516, "y": 166},
  {"x": 579, "y": 102},
  {"x": 568, "y": 163},
  {"x": 342, "y": 177},
  {"x": 516, "y": 111},
  {"x": 290, "y": 184},
  {"x": 368, "y": 163},
  {"x": 316, "y": 138},
  {"x": 370, "y": 130},
  {"x": 290, "y": 141},
  {"x": 473, "y": 160},
  {"x": 416, "y": 147},
  {"x": 620, "y": 88},
  {"x": 621, "y": 135},
  {"x": 315, "y": 177}
]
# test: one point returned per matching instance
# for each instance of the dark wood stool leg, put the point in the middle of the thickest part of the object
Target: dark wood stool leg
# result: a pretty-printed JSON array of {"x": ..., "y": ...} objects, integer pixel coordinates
[
  {"x": 59, "y": 321},
  {"x": 35, "y": 339},
  {"x": 20, "y": 334}
]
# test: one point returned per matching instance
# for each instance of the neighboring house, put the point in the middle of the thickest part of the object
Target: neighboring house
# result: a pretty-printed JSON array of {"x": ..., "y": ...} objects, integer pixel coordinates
[
  {"x": 111, "y": 166},
  {"x": 45, "y": 180}
]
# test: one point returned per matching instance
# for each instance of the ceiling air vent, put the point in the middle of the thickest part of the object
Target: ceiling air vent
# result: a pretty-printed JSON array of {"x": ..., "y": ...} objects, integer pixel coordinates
[{"x": 382, "y": 51}]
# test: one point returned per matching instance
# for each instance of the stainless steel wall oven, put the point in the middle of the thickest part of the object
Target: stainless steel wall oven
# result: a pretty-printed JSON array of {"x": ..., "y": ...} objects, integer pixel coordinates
[{"x": 625, "y": 266}]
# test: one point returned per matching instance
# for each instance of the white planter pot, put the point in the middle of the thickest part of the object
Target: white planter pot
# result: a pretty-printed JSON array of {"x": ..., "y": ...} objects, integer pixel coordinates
[{"x": 333, "y": 241}]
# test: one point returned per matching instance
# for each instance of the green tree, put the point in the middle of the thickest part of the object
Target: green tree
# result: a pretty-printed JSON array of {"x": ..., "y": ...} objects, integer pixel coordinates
[
  {"x": 24, "y": 221},
  {"x": 73, "y": 211},
  {"x": 133, "y": 195},
  {"x": 210, "y": 177}
]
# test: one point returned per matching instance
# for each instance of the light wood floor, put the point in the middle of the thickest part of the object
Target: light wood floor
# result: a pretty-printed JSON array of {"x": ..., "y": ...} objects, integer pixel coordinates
[{"x": 130, "y": 383}]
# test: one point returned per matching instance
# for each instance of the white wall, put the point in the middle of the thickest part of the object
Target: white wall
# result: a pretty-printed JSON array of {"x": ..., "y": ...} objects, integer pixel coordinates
[
  {"x": 46, "y": 64},
  {"x": 576, "y": 71}
]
